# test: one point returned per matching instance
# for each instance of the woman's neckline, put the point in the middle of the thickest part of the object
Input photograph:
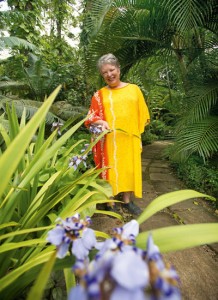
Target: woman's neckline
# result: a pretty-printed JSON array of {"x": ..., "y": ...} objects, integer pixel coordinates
[{"x": 117, "y": 88}]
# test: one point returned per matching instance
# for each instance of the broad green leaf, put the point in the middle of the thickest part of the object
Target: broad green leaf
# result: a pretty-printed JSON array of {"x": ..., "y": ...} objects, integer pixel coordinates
[
  {"x": 169, "y": 199},
  {"x": 105, "y": 188},
  {"x": 102, "y": 234},
  {"x": 72, "y": 208},
  {"x": 110, "y": 213},
  {"x": 28, "y": 277},
  {"x": 12, "y": 41},
  {"x": 180, "y": 237},
  {"x": 5, "y": 135},
  {"x": 49, "y": 153},
  {"x": 70, "y": 279},
  {"x": 39, "y": 154},
  {"x": 38, "y": 288}
]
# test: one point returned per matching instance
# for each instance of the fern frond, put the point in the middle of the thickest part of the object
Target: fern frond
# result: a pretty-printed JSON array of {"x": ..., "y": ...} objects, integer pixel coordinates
[{"x": 200, "y": 137}]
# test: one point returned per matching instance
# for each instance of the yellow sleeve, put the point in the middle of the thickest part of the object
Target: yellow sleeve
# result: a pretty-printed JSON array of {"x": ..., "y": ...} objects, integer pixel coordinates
[{"x": 144, "y": 116}]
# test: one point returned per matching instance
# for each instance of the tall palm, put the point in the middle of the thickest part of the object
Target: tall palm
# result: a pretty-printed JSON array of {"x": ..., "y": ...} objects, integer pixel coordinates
[{"x": 181, "y": 30}]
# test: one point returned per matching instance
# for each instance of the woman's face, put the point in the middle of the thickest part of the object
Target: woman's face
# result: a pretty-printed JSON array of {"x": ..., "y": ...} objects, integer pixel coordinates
[{"x": 111, "y": 74}]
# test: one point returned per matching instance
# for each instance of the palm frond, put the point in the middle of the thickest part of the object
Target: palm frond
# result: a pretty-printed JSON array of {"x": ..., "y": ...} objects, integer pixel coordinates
[
  {"x": 12, "y": 85},
  {"x": 199, "y": 105},
  {"x": 142, "y": 27},
  {"x": 188, "y": 14},
  {"x": 200, "y": 137},
  {"x": 58, "y": 111},
  {"x": 30, "y": 106},
  {"x": 13, "y": 41},
  {"x": 129, "y": 30}
]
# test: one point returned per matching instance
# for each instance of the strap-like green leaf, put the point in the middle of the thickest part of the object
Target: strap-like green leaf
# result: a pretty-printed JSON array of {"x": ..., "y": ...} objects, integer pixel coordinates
[
  {"x": 70, "y": 279},
  {"x": 169, "y": 199},
  {"x": 11, "y": 157},
  {"x": 24, "y": 231},
  {"x": 180, "y": 237},
  {"x": 9, "y": 224},
  {"x": 10, "y": 246},
  {"x": 13, "y": 275},
  {"x": 38, "y": 288}
]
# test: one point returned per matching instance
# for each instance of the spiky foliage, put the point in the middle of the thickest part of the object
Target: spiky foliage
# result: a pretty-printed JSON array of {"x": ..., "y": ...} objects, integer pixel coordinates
[
  {"x": 180, "y": 31},
  {"x": 36, "y": 183}
]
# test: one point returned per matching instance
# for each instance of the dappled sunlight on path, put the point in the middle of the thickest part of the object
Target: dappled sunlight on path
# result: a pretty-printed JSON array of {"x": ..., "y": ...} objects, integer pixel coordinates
[{"x": 197, "y": 267}]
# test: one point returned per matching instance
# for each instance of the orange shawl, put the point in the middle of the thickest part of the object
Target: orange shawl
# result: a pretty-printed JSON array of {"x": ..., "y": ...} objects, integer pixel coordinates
[{"x": 95, "y": 113}]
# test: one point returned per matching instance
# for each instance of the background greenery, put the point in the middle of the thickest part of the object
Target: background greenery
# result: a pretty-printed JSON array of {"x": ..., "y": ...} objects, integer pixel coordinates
[{"x": 170, "y": 53}]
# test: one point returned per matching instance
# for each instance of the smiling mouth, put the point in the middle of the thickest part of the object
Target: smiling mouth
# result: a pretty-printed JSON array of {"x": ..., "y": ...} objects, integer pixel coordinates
[{"x": 111, "y": 79}]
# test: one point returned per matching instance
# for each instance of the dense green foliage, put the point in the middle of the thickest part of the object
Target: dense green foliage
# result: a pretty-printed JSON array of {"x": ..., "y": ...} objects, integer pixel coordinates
[
  {"x": 171, "y": 54},
  {"x": 37, "y": 185},
  {"x": 33, "y": 72},
  {"x": 199, "y": 175}
]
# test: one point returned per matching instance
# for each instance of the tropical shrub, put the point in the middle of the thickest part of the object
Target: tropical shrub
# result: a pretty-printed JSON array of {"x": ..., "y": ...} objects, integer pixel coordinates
[
  {"x": 172, "y": 51},
  {"x": 36, "y": 183},
  {"x": 198, "y": 175},
  {"x": 148, "y": 137}
]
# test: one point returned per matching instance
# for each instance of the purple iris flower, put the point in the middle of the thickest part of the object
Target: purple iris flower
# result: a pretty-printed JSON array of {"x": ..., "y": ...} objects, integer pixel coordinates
[
  {"x": 82, "y": 246},
  {"x": 120, "y": 262},
  {"x": 123, "y": 236},
  {"x": 166, "y": 290},
  {"x": 129, "y": 270},
  {"x": 76, "y": 160},
  {"x": 72, "y": 223},
  {"x": 120, "y": 270},
  {"x": 122, "y": 293},
  {"x": 79, "y": 293},
  {"x": 166, "y": 282},
  {"x": 59, "y": 238},
  {"x": 153, "y": 253},
  {"x": 130, "y": 229},
  {"x": 57, "y": 125},
  {"x": 95, "y": 129},
  {"x": 73, "y": 231}
]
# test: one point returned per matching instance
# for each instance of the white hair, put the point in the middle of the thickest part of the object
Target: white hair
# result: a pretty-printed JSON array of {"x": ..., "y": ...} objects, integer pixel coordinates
[{"x": 108, "y": 59}]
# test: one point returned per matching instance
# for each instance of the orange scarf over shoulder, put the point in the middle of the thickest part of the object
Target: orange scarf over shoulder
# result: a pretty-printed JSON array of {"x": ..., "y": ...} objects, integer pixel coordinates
[{"x": 95, "y": 113}]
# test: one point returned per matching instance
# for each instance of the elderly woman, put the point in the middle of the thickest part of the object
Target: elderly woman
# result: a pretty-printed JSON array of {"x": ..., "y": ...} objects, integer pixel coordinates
[{"x": 119, "y": 107}]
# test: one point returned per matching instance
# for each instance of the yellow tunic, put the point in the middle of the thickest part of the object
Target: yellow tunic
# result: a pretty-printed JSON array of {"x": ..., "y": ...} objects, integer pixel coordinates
[{"x": 125, "y": 109}]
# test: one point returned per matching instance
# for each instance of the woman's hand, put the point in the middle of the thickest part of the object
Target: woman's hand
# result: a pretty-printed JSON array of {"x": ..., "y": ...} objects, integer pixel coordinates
[{"x": 104, "y": 124}]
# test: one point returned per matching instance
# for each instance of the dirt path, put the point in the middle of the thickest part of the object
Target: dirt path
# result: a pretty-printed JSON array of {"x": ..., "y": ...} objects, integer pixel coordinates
[{"x": 197, "y": 267}]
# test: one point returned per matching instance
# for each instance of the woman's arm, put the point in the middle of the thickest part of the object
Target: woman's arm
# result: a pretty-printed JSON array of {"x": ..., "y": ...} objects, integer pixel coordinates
[
  {"x": 103, "y": 123},
  {"x": 96, "y": 112}
]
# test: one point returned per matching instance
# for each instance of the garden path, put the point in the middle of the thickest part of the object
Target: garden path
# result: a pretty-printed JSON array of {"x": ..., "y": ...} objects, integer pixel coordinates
[{"x": 197, "y": 267}]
